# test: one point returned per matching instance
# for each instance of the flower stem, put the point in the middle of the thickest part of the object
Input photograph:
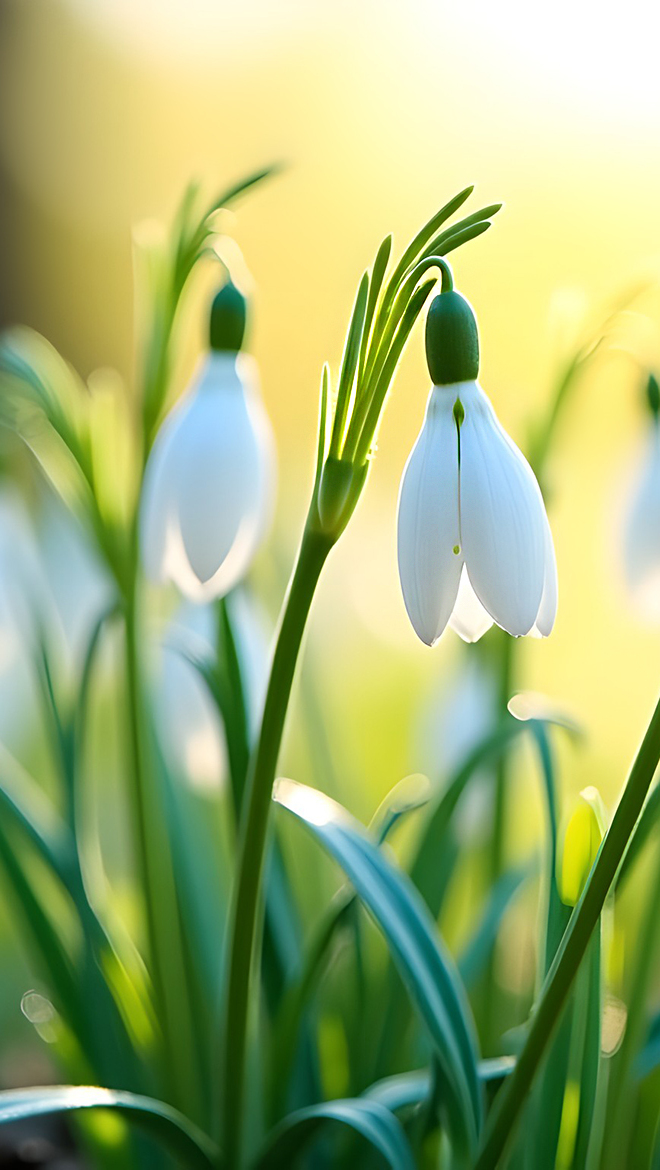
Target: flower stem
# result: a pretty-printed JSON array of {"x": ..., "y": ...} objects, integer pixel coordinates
[
  {"x": 245, "y": 916},
  {"x": 569, "y": 955}
]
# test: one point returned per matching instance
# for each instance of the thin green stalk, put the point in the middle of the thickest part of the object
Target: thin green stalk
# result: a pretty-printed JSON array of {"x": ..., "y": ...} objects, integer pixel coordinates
[
  {"x": 495, "y": 859},
  {"x": 137, "y": 785},
  {"x": 244, "y": 924},
  {"x": 512, "y": 1097},
  {"x": 621, "y": 1091}
]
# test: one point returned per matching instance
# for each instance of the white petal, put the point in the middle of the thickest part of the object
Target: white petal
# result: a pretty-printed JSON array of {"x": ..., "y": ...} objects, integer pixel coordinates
[
  {"x": 502, "y": 518},
  {"x": 642, "y": 536},
  {"x": 213, "y": 482},
  {"x": 158, "y": 506},
  {"x": 545, "y": 618},
  {"x": 428, "y": 527},
  {"x": 469, "y": 618}
]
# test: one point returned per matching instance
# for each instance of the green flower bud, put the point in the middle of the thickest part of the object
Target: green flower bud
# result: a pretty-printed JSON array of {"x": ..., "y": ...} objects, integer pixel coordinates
[
  {"x": 228, "y": 318},
  {"x": 452, "y": 340},
  {"x": 653, "y": 395}
]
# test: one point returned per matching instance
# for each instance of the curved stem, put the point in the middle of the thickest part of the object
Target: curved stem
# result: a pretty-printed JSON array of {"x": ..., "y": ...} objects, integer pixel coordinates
[
  {"x": 569, "y": 955},
  {"x": 247, "y": 898}
]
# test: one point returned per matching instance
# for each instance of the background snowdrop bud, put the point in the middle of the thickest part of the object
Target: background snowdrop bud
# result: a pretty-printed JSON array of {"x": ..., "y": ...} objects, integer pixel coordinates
[
  {"x": 584, "y": 833},
  {"x": 653, "y": 395},
  {"x": 474, "y": 541},
  {"x": 210, "y": 480}
]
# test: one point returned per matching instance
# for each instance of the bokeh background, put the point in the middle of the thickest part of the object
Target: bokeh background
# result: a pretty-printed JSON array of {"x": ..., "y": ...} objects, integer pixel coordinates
[{"x": 380, "y": 112}]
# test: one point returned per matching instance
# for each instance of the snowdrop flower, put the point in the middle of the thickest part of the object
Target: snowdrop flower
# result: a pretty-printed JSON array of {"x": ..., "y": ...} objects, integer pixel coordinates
[
  {"x": 473, "y": 537},
  {"x": 642, "y": 527},
  {"x": 209, "y": 483}
]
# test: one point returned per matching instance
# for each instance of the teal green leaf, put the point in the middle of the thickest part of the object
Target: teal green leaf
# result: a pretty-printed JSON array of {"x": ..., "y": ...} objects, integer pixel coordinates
[
  {"x": 645, "y": 827},
  {"x": 371, "y": 1120},
  {"x": 406, "y": 1089},
  {"x": 184, "y": 1140},
  {"x": 425, "y": 967}
]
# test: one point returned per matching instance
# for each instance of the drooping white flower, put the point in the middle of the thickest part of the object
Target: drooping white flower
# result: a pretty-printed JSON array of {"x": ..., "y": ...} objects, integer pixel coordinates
[
  {"x": 210, "y": 480},
  {"x": 642, "y": 525},
  {"x": 474, "y": 541}
]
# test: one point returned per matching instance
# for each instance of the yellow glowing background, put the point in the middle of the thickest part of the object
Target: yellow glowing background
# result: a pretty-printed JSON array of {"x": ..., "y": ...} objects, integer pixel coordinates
[{"x": 380, "y": 112}]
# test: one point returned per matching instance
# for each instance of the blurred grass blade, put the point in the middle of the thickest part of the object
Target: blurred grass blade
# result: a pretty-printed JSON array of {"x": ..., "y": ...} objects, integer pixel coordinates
[
  {"x": 369, "y": 1119},
  {"x": 186, "y": 1142},
  {"x": 473, "y": 959},
  {"x": 551, "y": 1086},
  {"x": 589, "y": 1006},
  {"x": 646, "y": 824},
  {"x": 425, "y": 967},
  {"x": 428, "y": 871},
  {"x": 405, "y": 1089},
  {"x": 407, "y": 796},
  {"x": 24, "y": 804},
  {"x": 649, "y": 1058},
  {"x": 46, "y": 943},
  {"x": 232, "y": 193}
]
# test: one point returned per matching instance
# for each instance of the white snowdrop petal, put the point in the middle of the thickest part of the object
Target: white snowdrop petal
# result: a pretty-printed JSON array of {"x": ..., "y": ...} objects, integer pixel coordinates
[
  {"x": 545, "y": 618},
  {"x": 158, "y": 505},
  {"x": 209, "y": 486},
  {"x": 469, "y": 619},
  {"x": 502, "y": 518},
  {"x": 642, "y": 536},
  {"x": 428, "y": 523}
]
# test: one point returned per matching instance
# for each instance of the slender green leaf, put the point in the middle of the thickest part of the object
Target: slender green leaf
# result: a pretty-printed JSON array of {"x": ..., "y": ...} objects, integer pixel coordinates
[
  {"x": 407, "y": 796},
  {"x": 424, "y": 965},
  {"x": 475, "y": 955},
  {"x": 428, "y": 871},
  {"x": 183, "y": 1139},
  {"x": 477, "y": 219},
  {"x": 406, "y": 1089},
  {"x": 371, "y": 1120},
  {"x": 232, "y": 193},
  {"x": 645, "y": 827},
  {"x": 423, "y": 236},
  {"x": 375, "y": 285},
  {"x": 589, "y": 1005},
  {"x": 348, "y": 367}
]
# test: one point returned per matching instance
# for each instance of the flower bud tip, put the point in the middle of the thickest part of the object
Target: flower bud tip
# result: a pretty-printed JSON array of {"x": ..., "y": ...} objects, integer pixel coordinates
[{"x": 228, "y": 319}]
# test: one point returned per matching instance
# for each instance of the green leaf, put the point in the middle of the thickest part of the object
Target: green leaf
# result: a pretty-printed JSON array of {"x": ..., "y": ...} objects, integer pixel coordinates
[
  {"x": 424, "y": 965},
  {"x": 367, "y": 1118},
  {"x": 475, "y": 955},
  {"x": 183, "y": 1139},
  {"x": 406, "y": 1089},
  {"x": 428, "y": 872},
  {"x": 349, "y": 366},
  {"x": 408, "y": 795},
  {"x": 231, "y": 194},
  {"x": 423, "y": 236},
  {"x": 645, "y": 827},
  {"x": 589, "y": 1004}
]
